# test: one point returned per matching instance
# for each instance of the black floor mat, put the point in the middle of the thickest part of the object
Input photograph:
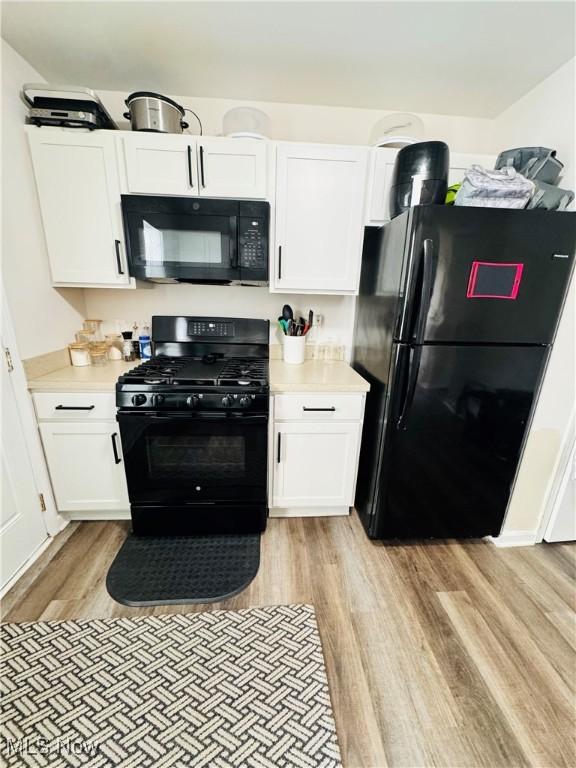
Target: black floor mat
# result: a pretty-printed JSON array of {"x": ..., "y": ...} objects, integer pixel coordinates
[{"x": 171, "y": 570}]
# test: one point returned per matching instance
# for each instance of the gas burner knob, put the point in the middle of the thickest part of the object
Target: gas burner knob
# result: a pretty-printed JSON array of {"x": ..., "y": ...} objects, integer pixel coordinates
[
  {"x": 227, "y": 401},
  {"x": 245, "y": 402},
  {"x": 157, "y": 400},
  {"x": 138, "y": 399},
  {"x": 192, "y": 401}
]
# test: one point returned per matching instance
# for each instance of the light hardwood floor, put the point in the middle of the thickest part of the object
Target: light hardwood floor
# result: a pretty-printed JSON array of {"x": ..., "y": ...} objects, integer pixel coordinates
[{"x": 452, "y": 654}]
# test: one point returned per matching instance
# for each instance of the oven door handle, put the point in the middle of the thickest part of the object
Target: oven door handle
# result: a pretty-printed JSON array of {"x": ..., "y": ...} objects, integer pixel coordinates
[{"x": 226, "y": 416}]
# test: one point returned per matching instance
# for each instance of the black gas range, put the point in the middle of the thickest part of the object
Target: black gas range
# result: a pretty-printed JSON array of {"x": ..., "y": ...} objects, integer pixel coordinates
[{"x": 194, "y": 427}]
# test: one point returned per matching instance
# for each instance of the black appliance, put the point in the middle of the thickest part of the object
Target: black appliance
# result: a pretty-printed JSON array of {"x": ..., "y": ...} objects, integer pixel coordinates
[
  {"x": 420, "y": 176},
  {"x": 456, "y": 315},
  {"x": 194, "y": 428},
  {"x": 186, "y": 239},
  {"x": 65, "y": 105}
]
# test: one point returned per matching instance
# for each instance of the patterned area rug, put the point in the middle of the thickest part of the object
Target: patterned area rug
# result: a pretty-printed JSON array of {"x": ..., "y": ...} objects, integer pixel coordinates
[{"x": 215, "y": 689}]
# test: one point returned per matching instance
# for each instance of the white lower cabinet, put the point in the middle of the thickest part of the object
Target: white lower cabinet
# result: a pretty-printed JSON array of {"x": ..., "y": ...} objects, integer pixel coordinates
[
  {"x": 85, "y": 475},
  {"x": 83, "y": 451},
  {"x": 314, "y": 454}
]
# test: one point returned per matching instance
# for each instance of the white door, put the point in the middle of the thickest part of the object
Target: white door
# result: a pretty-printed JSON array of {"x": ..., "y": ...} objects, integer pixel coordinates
[
  {"x": 82, "y": 465},
  {"x": 232, "y": 167},
  {"x": 315, "y": 464},
  {"x": 160, "y": 164},
  {"x": 22, "y": 528},
  {"x": 320, "y": 191},
  {"x": 79, "y": 193}
]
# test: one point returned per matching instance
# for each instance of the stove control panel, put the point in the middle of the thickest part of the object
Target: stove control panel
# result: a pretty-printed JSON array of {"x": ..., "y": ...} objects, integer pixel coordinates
[
  {"x": 187, "y": 401},
  {"x": 210, "y": 328}
]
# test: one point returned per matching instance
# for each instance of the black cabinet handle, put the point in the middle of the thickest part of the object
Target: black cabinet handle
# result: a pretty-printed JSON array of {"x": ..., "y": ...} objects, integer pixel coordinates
[
  {"x": 279, "y": 262},
  {"x": 332, "y": 408},
  {"x": 202, "y": 166},
  {"x": 118, "y": 257},
  {"x": 279, "y": 455},
  {"x": 74, "y": 407},
  {"x": 117, "y": 458},
  {"x": 190, "y": 177}
]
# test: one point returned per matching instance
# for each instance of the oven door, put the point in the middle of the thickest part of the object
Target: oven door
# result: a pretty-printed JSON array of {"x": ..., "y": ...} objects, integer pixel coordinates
[
  {"x": 179, "y": 239},
  {"x": 195, "y": 458}
]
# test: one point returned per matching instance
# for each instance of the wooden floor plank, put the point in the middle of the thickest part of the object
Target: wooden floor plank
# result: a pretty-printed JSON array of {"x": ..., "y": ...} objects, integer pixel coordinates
[{"x": 448, "y": 654}]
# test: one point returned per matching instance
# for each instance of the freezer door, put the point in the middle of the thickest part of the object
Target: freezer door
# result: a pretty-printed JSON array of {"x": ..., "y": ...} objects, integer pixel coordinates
[
  {"x": 453, "y": 438},
  {"x": 376, "y": 312},
  {"x": 485, "y": 275}
]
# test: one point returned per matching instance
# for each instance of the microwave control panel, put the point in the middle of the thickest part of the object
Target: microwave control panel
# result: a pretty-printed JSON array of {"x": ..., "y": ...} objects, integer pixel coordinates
[{"x": 253, "y": 243}]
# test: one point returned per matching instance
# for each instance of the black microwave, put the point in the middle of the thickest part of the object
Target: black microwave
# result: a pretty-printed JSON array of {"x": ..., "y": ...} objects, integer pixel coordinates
[{"x": 194, "y": 240}]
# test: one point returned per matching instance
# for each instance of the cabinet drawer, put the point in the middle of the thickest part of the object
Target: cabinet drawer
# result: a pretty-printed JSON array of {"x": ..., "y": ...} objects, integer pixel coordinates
[
  {"x": 74, "y": 406},
  {"x": 318, "y": 407}
]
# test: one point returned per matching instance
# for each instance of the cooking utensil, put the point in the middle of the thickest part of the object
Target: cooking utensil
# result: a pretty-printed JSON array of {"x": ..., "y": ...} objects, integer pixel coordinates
[
  {"x": 287, "y": 312},
  {"x": 154, "y": 113}
]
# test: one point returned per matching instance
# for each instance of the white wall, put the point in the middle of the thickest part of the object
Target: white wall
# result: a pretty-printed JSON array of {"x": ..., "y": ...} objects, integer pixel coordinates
[
  {"x": 229, "y": 301},
  {"x": 545, "y": 116},
  {"x": 335, "y": 125},
  {"x": 44, "y": 318}
]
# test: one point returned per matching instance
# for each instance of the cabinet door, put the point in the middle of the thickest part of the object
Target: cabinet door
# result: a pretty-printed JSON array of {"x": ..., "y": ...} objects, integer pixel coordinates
[
  {"x": 79, "y": 192},
  {"x": 82, "y": 465},
  {"x": 232, "y": 167},
  {"x": 160, "y": 165},
  {"x": 379, "y": 181},
  {"x": 320, "y": 191},
  {"x": 315, "y": 464}
]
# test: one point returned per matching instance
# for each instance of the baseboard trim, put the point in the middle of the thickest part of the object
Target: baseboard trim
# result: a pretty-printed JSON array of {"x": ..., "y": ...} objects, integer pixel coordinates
[
  {"x": 515, "y": 539},
  {"x": 309, "y": 511},
  {"x": 28, "y": 564},
  {"x": 114, "y": 514}
]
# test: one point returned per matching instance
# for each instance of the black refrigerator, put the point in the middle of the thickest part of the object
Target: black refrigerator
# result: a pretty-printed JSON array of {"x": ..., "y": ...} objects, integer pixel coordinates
[{"x": 455, "y": 319}]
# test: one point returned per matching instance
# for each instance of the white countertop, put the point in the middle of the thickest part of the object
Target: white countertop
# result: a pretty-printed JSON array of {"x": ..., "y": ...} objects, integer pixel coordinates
[
  {"x": 311, "y": 376},
  {"x": 91, "y": 378},
  {"x": 315, "y": 376}
]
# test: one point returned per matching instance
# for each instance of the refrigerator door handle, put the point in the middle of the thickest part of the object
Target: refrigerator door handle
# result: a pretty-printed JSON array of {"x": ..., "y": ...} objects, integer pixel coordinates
[
  {"x": 410, "y": 388},
  {"x": 426, "y": 293}
]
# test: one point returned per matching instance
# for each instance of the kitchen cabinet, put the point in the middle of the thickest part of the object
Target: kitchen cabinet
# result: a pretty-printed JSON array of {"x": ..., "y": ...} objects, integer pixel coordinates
[
  {"x": 160, "y": 164},
  {"x": 83, "y": 451},
  {"x": 315, "y": 443},
  {"x": 195, "y": 166},
  {"x": 320, "y": 192},
  {"x": 234, "y": 168},
  {"x": 79, "y": 193},
  {"x": 382, "y": 161}
]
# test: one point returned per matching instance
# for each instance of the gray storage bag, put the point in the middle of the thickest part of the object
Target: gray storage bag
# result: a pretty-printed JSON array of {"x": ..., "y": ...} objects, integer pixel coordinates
[
  {"x": 536, "y": 163},
  {"x": 550, "y": 198},
  {"x": 494, "y": 189}
]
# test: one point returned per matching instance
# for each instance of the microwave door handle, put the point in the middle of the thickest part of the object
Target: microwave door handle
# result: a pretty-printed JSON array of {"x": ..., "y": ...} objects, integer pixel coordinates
[{"x": 233, "y": 242}]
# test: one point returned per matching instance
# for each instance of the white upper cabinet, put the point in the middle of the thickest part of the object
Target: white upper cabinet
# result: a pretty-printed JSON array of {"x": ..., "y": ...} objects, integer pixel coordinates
[
  {"x": 160, "y": 164},
  {"x": 234, "y": 168},
  {"x": 79, "y": 193},
  {"x": 382, "y": 161},
  {"x": 379, "y": 181},
  {"x": 320, "y": 192}
]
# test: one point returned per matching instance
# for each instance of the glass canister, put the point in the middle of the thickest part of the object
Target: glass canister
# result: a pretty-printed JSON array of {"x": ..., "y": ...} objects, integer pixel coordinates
[
  {"x": 99, "y": 353},
  {"x": 84, "y": 337},
  {"x": 95, "y": 326},
  {"x": 79, "y": 354},
  {"x": 114, "y": 342}
]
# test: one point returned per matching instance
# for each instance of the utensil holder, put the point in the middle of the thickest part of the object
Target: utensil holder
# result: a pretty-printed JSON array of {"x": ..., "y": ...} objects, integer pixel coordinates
[{"x": 294, "y": 349}]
